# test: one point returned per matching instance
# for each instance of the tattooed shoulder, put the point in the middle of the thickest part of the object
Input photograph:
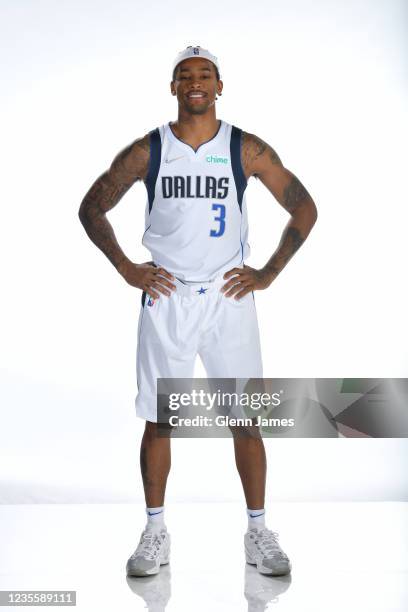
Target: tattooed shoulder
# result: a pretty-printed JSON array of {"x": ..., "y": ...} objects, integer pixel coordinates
[
  {"x": 132, "y": 162},
  {"x": 129, "y": 166},
  {"x": 253, "y": 148},
  {"x": 142, "y": 155}
]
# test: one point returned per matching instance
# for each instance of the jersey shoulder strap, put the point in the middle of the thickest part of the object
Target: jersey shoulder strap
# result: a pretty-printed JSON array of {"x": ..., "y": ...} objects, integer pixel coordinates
[
  {"x": 236, "y": 163},
  {"x": 154, "y": 164}
]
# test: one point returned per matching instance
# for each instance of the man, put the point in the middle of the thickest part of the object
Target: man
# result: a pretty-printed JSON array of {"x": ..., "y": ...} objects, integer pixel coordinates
[{"x": 197, "y": 292}]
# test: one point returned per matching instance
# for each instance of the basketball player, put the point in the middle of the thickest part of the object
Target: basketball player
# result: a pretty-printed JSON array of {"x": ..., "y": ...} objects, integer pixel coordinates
[{"x": 197, "y": 291}]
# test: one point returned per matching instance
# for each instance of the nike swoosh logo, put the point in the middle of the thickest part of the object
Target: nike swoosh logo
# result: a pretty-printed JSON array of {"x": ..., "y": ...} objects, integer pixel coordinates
[
  {"x": 255, "y": 515},
  {"x": 168, "y": 161},
  {"x": 153, "y": 513}
]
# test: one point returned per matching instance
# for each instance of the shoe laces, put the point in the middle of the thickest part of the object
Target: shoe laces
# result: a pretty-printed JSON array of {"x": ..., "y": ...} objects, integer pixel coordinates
[
  {"x": 267, "y": 541},
  {"x": 149, "y": 544}
]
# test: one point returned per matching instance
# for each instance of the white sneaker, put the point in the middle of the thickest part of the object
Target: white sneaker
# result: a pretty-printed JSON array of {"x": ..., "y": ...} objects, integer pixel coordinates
[
  {"x": 155, "y": 591},
  {"x": 262, "y": 549},
  {"x": 152, "y": 551},
  {"x": 261, "y": 590}
]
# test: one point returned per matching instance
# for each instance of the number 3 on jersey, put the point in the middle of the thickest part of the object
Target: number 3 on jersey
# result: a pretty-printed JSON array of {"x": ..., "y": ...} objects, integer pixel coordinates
[{"x": 220, "y": 218}]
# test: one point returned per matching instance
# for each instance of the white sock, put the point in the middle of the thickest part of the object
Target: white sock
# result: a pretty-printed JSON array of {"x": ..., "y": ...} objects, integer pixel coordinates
[
  {"x": 256, "y": 518},
  {"x": 155, "y": 518}
]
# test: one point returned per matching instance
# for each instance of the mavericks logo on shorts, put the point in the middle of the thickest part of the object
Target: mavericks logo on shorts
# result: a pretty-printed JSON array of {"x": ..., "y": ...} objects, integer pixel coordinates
[
  {"x": 216, "y": 159},
  {"x": 150, "y": 301}
]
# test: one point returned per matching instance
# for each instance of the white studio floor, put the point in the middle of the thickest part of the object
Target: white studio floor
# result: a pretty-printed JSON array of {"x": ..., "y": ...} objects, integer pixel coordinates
[{"x": 345, "y": 556}]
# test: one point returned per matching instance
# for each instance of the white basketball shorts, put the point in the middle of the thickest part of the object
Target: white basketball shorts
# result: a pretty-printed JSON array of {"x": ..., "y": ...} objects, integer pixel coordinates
[{"x": 196, "y": 319}]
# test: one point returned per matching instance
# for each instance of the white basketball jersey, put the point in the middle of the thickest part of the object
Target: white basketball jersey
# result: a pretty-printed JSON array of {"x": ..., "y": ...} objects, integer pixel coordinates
[{"x": 196, "y": 224}]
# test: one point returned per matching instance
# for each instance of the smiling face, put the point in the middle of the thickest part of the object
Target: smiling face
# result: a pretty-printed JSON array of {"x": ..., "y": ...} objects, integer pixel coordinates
[{"x": 196, "y": 85}]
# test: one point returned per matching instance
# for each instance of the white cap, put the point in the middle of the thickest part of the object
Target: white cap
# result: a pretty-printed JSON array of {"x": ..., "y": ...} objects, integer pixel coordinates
[{"x": 197, "y": 51}]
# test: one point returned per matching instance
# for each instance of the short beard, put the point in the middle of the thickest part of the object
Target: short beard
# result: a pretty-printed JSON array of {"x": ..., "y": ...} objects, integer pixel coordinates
[{"x": 198, "y": 111}]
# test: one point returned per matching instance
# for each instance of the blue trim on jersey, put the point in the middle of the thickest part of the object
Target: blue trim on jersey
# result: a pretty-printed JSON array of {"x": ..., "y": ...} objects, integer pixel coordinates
[
  {"x": 154, "y": 165},
  {"x": 236, "y": 165},
  {"x": 203, "y": 143},
  {"x": 146, "y": 230},
  {"x": 138, "y": 333}
]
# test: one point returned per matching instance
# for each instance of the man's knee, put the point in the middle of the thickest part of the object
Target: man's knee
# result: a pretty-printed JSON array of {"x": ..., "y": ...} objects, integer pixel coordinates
[
  {"x": 157, "y": 430},
  {"x": 245, "y": 431}
]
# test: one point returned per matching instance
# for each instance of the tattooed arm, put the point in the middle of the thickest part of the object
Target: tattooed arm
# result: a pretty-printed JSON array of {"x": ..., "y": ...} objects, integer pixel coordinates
[
  {"x": 129, "y": 165},
  {"x": 261, "y": 161}
]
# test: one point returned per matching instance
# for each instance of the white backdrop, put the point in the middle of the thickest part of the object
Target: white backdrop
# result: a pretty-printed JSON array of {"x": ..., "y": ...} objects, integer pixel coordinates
[{"x": 323, "y": 82}]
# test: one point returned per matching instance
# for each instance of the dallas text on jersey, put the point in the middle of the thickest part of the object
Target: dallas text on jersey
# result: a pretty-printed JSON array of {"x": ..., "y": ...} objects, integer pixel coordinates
[{"x": 202, "y": 187}]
